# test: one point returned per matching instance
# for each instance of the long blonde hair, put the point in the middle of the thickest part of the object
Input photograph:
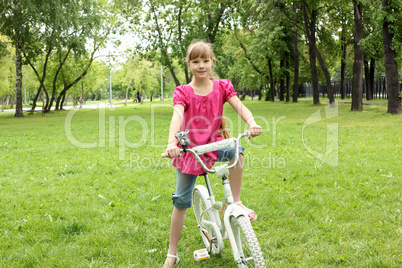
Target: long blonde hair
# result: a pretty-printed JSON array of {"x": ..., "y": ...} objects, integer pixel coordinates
[
  {"x": 200, "y": 49},
  {"x": 223, "y": 128}
]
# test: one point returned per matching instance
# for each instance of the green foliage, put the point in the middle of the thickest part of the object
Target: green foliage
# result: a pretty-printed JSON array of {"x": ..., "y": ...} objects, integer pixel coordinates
[
  {"x": 163, "y": 30},
  {"x": 7, "y": 76}
]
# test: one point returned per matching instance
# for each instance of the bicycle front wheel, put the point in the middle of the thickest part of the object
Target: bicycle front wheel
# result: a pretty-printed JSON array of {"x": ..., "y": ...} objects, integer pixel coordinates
[{"x": 247, "y": 243}]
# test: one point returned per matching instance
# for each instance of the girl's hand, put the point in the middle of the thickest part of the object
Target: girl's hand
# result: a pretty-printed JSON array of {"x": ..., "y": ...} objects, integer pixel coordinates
[
  {"x": 255, "y": 130},
  {"x": 172, "y": 152}
]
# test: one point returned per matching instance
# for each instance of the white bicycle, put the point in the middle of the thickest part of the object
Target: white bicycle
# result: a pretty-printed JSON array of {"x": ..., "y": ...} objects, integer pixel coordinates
[{"x": 219, "y": 221}]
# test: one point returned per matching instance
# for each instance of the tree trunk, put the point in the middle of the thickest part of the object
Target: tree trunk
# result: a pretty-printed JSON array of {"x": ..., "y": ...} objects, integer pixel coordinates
[
  {"x": 82, "y": 94},
  {"x": 63, "y": 98},
  {"x": 45, "y": 101},
  {"x": 287, "y": 83},
  {"x": 58, "y": 100},
  {"x": 41, "y": 79},
  {"x": 268, "y": 95},
  {"x": 357, "y": 89},
  {"x": 68, "y": 86},
  {"x": 296, "y": 59},
  {"x": 391, "y": 68},
  {"x": 271, "y": 81},
  {"x": 243, "y": 94},
  {"x": 12, "y": 100},
  {"x": 61, "y": 63},
  {"x": 367, "y": 80},
  {"x": 327, "y": 78},
  {"x": 36, "y": 99},
  {"x": 310, "y": 31},
  {"x": 281, "y": 82},
  {"x": 128, "y": 87},
  {"x": 314, "y": 77},
  {"x": 343, "y": 67},
  {"x": 5, "y": 100},
  {"x": 18, "y": 78},
  {"x": 165, "y": 59},
  {"x": 183, "y": 51},
  {"x": 372, "y": 71},
  {"x": 213, "y": 25}
]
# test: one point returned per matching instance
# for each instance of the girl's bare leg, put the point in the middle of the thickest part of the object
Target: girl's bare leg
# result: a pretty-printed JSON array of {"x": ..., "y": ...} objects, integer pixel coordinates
[
  {"x": 176, "y": 226},
  {"x": 235, "y": 178}
]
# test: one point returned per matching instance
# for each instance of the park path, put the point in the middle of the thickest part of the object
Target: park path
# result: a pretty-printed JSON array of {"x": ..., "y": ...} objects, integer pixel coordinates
[{"x": 85, "y": 106}]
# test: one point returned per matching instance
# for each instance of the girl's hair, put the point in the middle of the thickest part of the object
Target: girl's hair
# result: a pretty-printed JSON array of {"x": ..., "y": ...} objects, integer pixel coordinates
[
  {"x": 223, "y": 129},
  {"x": 201, "y": 49}
]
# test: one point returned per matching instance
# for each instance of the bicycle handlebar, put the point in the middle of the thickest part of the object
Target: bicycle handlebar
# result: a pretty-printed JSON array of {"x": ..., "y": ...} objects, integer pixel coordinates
[{"x": 196, "y": 151}]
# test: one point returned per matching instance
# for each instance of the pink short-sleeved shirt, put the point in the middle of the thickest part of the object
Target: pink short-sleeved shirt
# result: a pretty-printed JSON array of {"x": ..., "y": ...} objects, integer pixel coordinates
[{"x": 202, "y": 117}]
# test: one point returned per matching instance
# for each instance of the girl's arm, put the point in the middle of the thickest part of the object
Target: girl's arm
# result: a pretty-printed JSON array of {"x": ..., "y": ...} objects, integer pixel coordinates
[
  {"x": 246, "y": 115},
  {"x": 172, "y": 150}
]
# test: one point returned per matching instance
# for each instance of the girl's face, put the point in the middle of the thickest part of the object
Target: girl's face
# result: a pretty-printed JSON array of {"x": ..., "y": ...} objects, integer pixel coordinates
[{"x": 200, "y": 67}]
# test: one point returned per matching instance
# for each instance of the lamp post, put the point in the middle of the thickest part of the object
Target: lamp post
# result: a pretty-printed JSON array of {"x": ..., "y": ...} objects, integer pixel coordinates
[
  {"x": 161, "y": 83},
  {"x": 110, "y": 81},
  {"x": 110, "y": 75}
]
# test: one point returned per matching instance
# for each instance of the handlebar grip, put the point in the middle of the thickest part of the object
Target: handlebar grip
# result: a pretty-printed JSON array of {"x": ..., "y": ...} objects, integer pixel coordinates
[
  {"x": 164, "y": 155},
  {"x": 248, "y": 134}
]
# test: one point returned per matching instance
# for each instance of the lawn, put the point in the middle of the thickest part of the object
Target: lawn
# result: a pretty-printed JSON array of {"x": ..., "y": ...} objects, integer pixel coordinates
[{"x": 87, "y": 188}]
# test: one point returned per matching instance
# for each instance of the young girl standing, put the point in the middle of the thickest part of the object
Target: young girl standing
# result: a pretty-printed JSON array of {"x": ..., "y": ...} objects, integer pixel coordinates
[{"x": 198, "y": 107}]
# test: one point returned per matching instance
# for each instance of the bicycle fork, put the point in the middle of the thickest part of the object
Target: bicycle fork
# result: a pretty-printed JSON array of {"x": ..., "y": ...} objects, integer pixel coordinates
[
  {"x": 228, "y": 210},
  {"x": 232, "y": 210}
]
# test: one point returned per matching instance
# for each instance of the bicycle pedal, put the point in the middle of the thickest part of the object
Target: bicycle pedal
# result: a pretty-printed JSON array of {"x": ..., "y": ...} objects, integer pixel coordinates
[{"x": 201, "y": 254}]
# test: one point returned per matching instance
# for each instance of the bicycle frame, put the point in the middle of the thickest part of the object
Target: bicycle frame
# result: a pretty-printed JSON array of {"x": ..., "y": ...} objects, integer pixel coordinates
[
  {"x": 228, "y": 208},
  {"x": 220, "y": 222}
]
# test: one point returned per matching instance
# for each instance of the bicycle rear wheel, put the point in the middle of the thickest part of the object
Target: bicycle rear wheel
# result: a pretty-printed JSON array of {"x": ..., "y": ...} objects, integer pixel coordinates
[
  {"x": 247, "y": 243},
  {"x": 200, "y": 204}
]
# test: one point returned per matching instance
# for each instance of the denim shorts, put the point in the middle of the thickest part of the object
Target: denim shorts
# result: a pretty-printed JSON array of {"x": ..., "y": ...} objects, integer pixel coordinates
[{"x": 182, "y": 198}]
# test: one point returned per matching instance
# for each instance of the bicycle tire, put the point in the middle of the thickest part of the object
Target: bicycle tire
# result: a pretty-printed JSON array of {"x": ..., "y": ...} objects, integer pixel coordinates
[
  {"x": 201, "y": 203},
  {"x": 247, "y": 243}
]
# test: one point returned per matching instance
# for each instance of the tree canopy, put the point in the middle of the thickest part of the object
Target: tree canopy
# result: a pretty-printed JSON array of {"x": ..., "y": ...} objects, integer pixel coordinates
[{"x": 268, "y": 48}]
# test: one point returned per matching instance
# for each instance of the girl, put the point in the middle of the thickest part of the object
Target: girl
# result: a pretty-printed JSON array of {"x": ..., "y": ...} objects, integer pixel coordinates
[{"x": 198, "y": 107}]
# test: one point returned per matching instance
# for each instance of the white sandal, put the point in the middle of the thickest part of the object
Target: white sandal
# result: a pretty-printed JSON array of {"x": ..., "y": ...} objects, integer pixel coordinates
[
  {"x": 249, "y": 211},
  {"x": 174, "y": 264}
]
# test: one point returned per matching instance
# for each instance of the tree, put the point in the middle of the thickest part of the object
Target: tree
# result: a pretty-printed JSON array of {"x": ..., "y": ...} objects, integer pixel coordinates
[
  {"x": 264, "y": 39},
  {"x": 7, "y": 79},
  {"x": 391, "y": 12},
  {"x": 82, "y": 24},
  {"x": 169, "y": 27},
  {"x": 94, "y": 80},
  {"x": 309, "y": 24},
  {"x": 372, "y": 43},
  {"x": 19, "y": 21},
  {"x": 295, "y": 56},
  {"x": 310, "y": 16},
  {"x": 74, "y": 75},
  {"x": 357, "y": 89}
]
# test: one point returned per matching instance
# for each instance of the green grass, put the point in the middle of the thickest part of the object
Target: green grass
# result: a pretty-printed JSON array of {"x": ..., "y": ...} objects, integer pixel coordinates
[{"x": 109, "y": 205}]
